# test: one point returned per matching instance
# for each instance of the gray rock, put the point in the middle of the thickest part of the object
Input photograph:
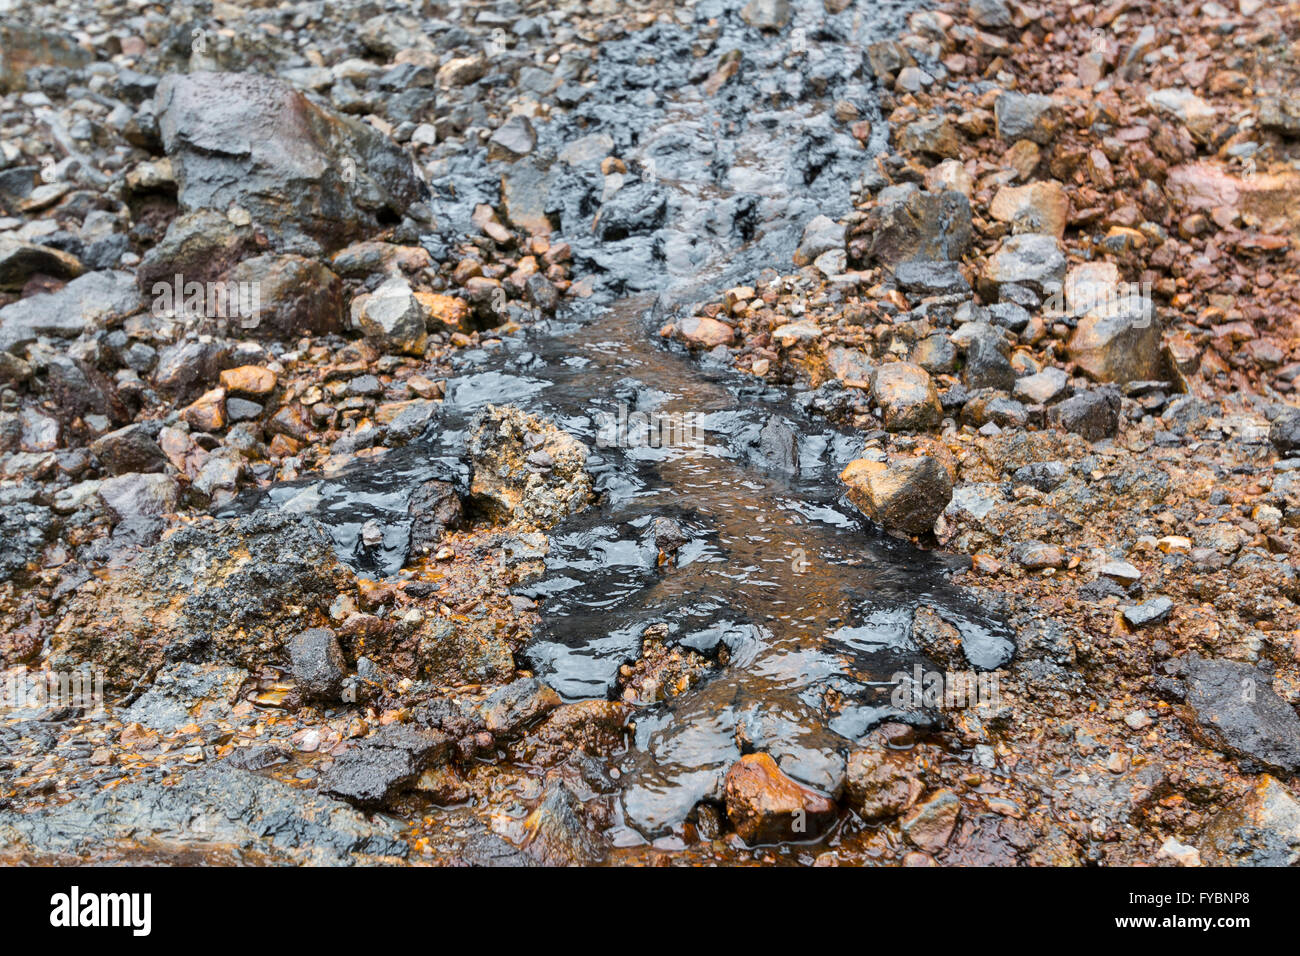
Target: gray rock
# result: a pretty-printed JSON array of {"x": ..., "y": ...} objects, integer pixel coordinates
[
  {"x": 518, "y": 704},
  {"x": 391, "y": 318},
  {"x": 137, "y": 495},
  {"x": 778, "y": 447},
  {"x": 1155, "y": 611},
  {"x": 514, "y": 139},
  {"x": 766, "y": 14},
  {"x": 930, "y": 277},
  {"x": 1042, "y": 388},
  {"x": 218, "y": 813},
  {"x": 1029, "y": 259},
  {"x": 84, "y": 304},
  {"x": 1285, "y": 431},
  {"x": 1029, "y": 116},
  {"x": 311, "y": 178},
  {"x": 822, "y": 234}
]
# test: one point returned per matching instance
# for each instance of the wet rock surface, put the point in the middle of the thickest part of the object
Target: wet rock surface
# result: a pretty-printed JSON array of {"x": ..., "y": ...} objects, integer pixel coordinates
[{"x": 780, "y": 432}]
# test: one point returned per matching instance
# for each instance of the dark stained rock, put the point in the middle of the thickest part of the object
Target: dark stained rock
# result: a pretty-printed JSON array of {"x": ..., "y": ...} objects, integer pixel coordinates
[
  {"x": 1236, "y": 710},
  {"x": 370, "y": 773},
  {"x": 133, "y": 448},
  {"x": 225, "y": 591},
  {"x": 557, "y": 833},
  {"x": 318, "y": 664},
  {"x": 908, "y": 223},
  {"x": 1093, "y": 414},
  {"x": 84, "y": 304}
]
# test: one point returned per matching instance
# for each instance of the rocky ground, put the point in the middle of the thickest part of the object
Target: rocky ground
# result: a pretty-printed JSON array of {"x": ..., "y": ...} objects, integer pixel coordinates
[{"x": 1056, "y": 317}]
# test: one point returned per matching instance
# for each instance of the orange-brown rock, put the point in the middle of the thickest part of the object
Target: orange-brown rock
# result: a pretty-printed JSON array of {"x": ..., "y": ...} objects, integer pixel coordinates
[{"x": 766, "y": 806}]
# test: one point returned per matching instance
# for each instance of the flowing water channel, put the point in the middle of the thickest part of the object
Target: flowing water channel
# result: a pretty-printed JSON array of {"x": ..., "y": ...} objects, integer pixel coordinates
[{"x": 812, "y": 604}]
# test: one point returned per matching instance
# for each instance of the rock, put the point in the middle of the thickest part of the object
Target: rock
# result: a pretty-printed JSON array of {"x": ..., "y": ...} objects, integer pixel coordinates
[
  {"x": 706, "y": 333},
  {"x": 462, "y": 71},
  {"x": 795, "y": 333},
  {"x": 1030, "y": 116},
  {"x": 1042, "y": 388},
  {"x": 1180, "y": 853},
  {"x": 207, "y": 413},
  {"x": 931, "y": 278},
  {"x": 930, "y": 824},
  {"x": 1042, "y": 475},
  {"x": 1193, "y": 112},
  {"x": 1036, "y": 208},
  {"x": 209, "y": 811},
  {"x": 1237, "y": 711},
  {"x": 987, "y": 365},
  {"x": 1093, "y": 414},
  {"x": 822, "y": 234},
  {"x": 906, "y": 495},
  {"x": 1090, "y": 285},
  {"x": 766, "y": 14},
  {"x": 24, "y": 530},
  {"x": 958, "y": 646},
  {"x": 1119, "y": 342},
  {"x": 1029, "y": 259},
  {"x": 933, "y": 136},
  {"x": 242, "y": 587},
  {"x": 766, "y": 806},
  {"x": 178, "y": 689},
  {"x": 880, "y": 782},
  {"x": 252, "y": 380},
  {"x": 990, "y": 14},
  {"x": 200, "y": 245},
  {"x": 778, "y": 447},
  {"x": 907, "y": 397},
  {"x": 370, "y": 773},
  {"x": 518, "y": 704},
  {"x": 135, "y": 495},
  {"x": 131, "y": 449},
  {"x": 312, "y": 179},
  {"x": 1155, "y": 611},
  {"x": 392, "y": 318},
  {"x": 934, "y": 353},
  {"x": 448, "y": 654},
  {"x": 501, "y": 439},
  {"x": 296, "y": 296},
  {"x": 1036, "y": 556},
  {"x": 87, "y": 303},
  {"x": 556, "y": 833},
  {"x": 318, "y": 664},
  {"x": 19, "y": 261},
  {"x": 1261, "y": 829},
  {"x": 908, "y": 223},
  {"x": 1285, "y": 432},
  {"x": 186, "y": 368},
  {"x": 514, "y": 139},
  {"x": 1280, "y": 114}
]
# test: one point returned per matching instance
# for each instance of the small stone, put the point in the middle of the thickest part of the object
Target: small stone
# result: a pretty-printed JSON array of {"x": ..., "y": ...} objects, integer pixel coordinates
[
  {"x": 930, "y": 824},
  {"x": 318, "y": 665},
  {"x": 1155, "y": 611},
  {"x": 907, "y": 397}
]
